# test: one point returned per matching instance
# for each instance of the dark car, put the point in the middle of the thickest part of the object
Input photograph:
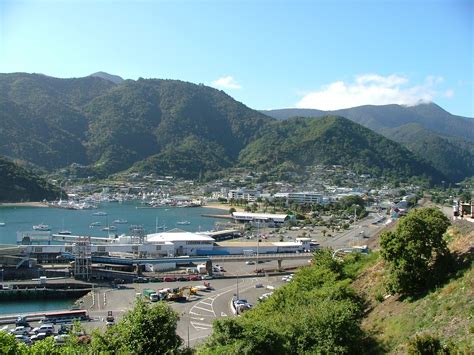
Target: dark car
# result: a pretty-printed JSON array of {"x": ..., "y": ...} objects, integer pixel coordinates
[
  {"x": 141, "y": 280},
  {"x": 182, "y": 278}
]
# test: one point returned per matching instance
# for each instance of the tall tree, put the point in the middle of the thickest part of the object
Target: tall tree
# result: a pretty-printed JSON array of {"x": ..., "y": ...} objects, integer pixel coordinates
[{"x": 415, "y": 251}]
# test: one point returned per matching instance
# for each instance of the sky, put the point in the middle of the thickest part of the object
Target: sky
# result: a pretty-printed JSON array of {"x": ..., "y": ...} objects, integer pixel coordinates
[{"x": 266, "y": 54}]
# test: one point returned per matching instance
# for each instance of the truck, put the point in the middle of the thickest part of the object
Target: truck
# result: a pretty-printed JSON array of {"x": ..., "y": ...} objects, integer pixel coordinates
[
  {"x": 150, "y": 294},
  {"x": 201, "y": 268}
]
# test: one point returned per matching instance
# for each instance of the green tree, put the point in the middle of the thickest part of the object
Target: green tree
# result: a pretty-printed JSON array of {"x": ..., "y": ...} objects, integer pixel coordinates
[
  {"x": 9, "y": 345},
  {"x": 232, "y": 210},
  {"x": 415, "y": 251},
  {"x": 146, "y": 329}
]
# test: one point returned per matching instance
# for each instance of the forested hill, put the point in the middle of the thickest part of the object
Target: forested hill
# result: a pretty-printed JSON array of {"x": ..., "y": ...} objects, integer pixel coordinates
[
  {"x": 429, "y": 116},
  {"x": 93, "y": 122},
  {"x": 18, "y": 184},
  {"x": 444, "y": 140},
  {"x": 333, "y": 140},
  {"x": 99, "y": 125}
]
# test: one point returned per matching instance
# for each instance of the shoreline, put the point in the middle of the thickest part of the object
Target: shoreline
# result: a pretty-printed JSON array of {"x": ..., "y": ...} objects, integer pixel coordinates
[
  {"x": 24, "y": 204},
  {"x": 219, "y": 206}
]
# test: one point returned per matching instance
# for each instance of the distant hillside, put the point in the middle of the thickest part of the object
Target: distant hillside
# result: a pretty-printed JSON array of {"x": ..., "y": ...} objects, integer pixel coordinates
[
  {"x": 91, "y": 121},
  {"x": 445, "y": 141},
  {"x": 453, "y": 157},
  {"x": 429, "y": 116},
  {"x": 93, "y": 127},
  {"x": 113, "y": 78},
  {"x": 18, "y": 184},
  {"x": 333, "y": 140}
]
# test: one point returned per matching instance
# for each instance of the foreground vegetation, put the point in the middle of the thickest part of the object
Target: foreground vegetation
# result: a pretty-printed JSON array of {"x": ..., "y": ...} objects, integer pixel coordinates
[{"x": 352, "y": 306}]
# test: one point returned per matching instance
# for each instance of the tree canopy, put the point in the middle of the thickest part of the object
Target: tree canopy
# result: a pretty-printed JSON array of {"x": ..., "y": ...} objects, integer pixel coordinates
[{"x": 416, "y": 252}]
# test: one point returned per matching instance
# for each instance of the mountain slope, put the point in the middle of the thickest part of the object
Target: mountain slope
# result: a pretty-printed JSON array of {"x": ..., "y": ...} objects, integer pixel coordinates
[
  {"x": 452, "y": 157},
  {"x": 110, "y": 77},
  {"x": 430, "y": 116},
  {"x": 91, "y": 121},
  {"x": 92, "y": 126},
  {"x": 333, "y": 140},
  {"x": 445, "y": 141},
  {"x": 18, "y": 184}
]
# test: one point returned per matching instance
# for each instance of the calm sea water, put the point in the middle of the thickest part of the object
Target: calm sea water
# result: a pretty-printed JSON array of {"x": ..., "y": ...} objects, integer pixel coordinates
[{"x": 78, "y": 222}]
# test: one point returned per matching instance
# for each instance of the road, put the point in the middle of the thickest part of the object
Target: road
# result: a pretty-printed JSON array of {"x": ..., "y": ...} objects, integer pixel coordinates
[{"x": 196, "y": 315}]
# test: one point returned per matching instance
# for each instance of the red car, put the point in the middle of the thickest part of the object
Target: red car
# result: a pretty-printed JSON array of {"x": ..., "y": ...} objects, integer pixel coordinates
[
  {"x": 194, "y": 278},
  {"x": 169, "y": 279}
]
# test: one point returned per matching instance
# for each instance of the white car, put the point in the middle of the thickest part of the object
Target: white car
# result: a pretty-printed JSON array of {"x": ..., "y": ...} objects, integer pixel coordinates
[
  {"x": 250, "y": 262},
  {"x": 39, "y": 336},
  {"x": 45, "y": 328},
  {"x": 61, "y": 338},
  {"x": 21, "y": 330}
]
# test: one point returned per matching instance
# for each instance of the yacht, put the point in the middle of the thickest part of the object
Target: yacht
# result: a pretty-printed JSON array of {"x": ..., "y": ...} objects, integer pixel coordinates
[
  {"x": 183, "y": 223},
  {"x": 42, "y": 227},
  {"x": 100, "y": 213},
  {"x": 95, "y": 224},
  {"x": 2, "y": 224},
  {"x": 109, "y": 228},
  {"x": 120, "y": 221}
]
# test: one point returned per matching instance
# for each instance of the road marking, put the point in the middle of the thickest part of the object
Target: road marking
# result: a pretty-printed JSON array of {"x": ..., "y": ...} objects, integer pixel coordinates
[
  {"x": 223, "y": 314},
  {"x": 202, "y": 324},
  {"x": 209, "y": 304},
  {"x": 197, "y": 318},
  {"x": 204, "y": 309}
]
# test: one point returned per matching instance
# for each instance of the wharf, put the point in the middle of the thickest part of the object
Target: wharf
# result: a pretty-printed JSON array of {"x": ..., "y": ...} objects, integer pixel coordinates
[{"x": 221, "y": 216}]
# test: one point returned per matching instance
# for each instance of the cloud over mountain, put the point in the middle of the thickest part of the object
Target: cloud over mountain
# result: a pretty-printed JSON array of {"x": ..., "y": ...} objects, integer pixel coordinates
[
  {"x": 227, "y": 82},
  {"x": 373, "y": 89}
]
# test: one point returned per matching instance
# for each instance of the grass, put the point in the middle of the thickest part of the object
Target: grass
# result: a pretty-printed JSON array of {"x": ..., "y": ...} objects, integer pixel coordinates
[{"x": 446, "y": 312}]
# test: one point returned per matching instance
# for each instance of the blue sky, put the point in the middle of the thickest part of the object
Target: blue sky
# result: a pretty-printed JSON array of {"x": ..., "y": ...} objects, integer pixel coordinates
[{"x": 267, "y": 54}]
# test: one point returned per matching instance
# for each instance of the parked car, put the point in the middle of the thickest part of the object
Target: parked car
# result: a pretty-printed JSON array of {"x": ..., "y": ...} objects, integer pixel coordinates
[
  {"x": 23, "y": 339},
  {"x": 21, "y": 330},
  {"x": 182, "y": 278},
  {"x": 39, "y": 336},
  {"x": 44, "y": 328},
  {"x": 169, "y": 279},
  {"x": 140, "y": 280},
  {"x": 250, "y": 262},
  {"x": 61, "y": 338},
  {"x": 194, "y": 278},
  {"x": 207, "y": 277}
]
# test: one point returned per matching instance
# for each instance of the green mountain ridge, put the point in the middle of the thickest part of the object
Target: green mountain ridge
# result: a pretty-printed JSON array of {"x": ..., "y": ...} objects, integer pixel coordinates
[
  {"x": 333, "y": 140},
  {"x": 445, "y": 141},
  {"x": 92, "y": 126},
  {"x": 18, "y": 184}
]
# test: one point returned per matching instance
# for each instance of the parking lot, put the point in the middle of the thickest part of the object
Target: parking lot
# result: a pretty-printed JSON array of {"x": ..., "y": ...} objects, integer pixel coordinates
[{"x": 196, "y": 314}]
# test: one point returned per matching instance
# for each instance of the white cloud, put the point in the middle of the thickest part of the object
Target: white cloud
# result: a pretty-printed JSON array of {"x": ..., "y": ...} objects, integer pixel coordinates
[
  {"x": 227, "y": 82},
  {"x": 373, "y": 89}
]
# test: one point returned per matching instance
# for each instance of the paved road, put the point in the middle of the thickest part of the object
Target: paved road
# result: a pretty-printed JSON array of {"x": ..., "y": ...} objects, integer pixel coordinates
[{"x": 197, "y": 314}]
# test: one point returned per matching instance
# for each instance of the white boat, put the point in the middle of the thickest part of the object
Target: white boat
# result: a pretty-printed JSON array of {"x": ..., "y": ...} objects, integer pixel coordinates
[
  {"x": 42, "y": 227},
  {"x": 109, "y": 228},
  {"x": 65, "y": 232},
  {"x": 95, "y": 224},
  {"x": 100, "y": 213},
  {"x": 183, "y": 223},
  {"x": 120, "y": 221},
  {"x": 2, "y": 224}
]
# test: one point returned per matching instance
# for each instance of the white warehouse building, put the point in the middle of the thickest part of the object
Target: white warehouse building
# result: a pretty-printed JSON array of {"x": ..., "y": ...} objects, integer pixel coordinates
[{"x": 185, "y": 243}]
